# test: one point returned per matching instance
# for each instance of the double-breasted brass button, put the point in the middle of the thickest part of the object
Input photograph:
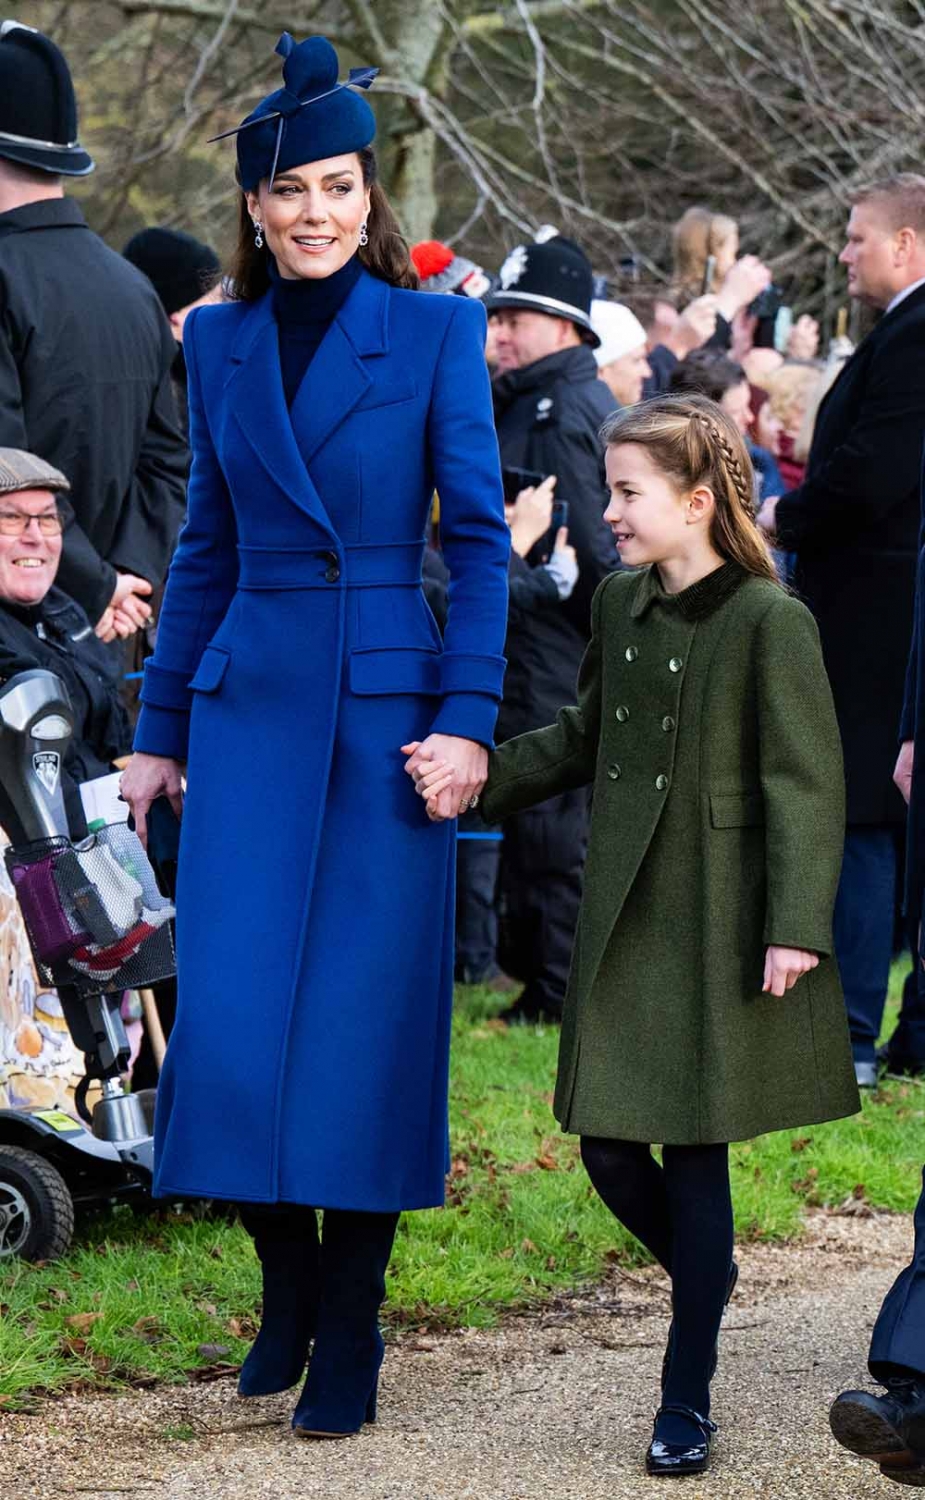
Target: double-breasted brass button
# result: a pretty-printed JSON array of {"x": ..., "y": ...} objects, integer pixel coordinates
[
  {"x": 668, "y": 724},
  {"x": 614, "y": 772},
  {"x": 661, "y": 783},
  {"x": 623, "y": 713},
  {"x": 675, "y": 664},
  {"x": 631, "y": 653}
]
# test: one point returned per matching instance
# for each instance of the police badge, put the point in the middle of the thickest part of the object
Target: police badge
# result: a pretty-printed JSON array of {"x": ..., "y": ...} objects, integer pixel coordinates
[
  {"x": 47, "y": 766},
  {"x": 513, "y": 267}
]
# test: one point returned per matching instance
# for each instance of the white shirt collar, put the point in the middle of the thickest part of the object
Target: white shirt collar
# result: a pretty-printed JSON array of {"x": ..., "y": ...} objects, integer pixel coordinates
[{"x": 906, "y": 292}]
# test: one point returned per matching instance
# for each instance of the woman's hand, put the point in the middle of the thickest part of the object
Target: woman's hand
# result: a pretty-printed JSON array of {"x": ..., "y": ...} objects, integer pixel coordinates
[
  {"x": 448, "y": 772},
  {"x": 530, "y": 517},
  {"x": 784, "y": 966},
  {"x": 145, "y": 778}
]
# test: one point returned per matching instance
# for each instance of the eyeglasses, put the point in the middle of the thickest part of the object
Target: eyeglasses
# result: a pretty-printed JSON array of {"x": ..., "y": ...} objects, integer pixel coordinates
[{"x": 16, "y": 523}]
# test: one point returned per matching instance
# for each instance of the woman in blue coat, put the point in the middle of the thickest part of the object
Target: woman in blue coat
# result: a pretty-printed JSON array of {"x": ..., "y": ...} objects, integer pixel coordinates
[{"x": 295, "y": 657}]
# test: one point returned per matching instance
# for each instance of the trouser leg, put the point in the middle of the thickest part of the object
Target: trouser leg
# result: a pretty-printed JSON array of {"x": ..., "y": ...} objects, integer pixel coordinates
[
  {"x": 542, "y": 865},
  {"x": 898, "y": 1342},
  {"x": 906, "y": 1047},
  {"x": 863, "y": 925},
  {"x": 477, "y": 861}
]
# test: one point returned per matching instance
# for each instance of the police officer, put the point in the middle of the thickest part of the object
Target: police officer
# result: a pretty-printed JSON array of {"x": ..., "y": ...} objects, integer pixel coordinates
[
  {"x": 549, "y": 406},
  {"x": 85, "y": 352}
]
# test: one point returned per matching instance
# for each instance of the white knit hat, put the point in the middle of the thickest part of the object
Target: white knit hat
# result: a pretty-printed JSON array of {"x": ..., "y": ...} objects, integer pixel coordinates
[{"x": 618, "y": 329}]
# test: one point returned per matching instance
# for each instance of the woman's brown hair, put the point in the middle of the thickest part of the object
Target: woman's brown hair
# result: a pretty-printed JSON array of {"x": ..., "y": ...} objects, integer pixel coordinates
[
  {"x": 697, "y": 235},
  {"x": 386, "y": 255},
  {"x": 693, "y": 442}
]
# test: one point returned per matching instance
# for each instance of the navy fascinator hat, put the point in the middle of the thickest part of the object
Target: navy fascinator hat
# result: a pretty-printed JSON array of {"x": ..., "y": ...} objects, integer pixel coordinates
[{"x": 309, "y": 119}]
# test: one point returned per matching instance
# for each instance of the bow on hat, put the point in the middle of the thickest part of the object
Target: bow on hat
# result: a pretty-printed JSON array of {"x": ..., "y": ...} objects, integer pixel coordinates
[{"x": 309, "y": 75}]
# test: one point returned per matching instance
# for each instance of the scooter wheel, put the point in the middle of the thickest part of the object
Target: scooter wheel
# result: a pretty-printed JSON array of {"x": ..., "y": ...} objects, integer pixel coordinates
[{"x": 36, "y": 1209}]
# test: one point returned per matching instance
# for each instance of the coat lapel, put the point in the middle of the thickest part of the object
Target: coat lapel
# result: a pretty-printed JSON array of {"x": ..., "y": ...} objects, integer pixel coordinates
[
  {"x": 258, "y": 404},
  {"x": 337, "y": 378}
]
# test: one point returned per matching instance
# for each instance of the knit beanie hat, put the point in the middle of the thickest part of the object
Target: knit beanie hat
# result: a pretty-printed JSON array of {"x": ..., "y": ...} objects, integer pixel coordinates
[
  {"x": 618, "y": 329},
  {"x": 441, "y": 270},
  {"x": 181, "y": 268}
]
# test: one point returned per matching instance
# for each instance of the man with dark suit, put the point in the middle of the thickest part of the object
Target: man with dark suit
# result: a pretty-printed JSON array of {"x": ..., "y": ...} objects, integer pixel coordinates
[
  {"x": 853, "y": 524},
  {"x": 890, "y": 1428}
]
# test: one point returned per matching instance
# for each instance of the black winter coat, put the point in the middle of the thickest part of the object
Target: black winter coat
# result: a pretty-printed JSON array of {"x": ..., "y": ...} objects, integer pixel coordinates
[
  {"x": 854, "y": 525},
  {"x": 57, "y": 636},
  {"x": 85, "y": 359},
  {"x": 548, "y": 417}
]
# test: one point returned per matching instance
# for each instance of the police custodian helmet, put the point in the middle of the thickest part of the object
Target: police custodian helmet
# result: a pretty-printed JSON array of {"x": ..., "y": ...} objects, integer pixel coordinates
[{"x": 38, "y": 110}]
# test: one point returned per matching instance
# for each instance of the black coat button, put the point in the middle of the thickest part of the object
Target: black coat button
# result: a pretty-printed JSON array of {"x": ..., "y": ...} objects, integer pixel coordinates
[{"x": 332, "y": 575}]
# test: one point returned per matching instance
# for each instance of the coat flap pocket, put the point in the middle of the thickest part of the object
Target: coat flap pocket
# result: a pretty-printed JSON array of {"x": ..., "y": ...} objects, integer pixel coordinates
[
  {"x": 397, "y": 669},
  {"x": 213, "y": 665},
  {"x": 736, "y": 809}
]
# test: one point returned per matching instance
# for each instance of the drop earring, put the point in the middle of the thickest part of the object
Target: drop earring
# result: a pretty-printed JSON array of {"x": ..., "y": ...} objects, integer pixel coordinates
[
  {"x": 364, "y": 237},
  {"x": 258, "y": 234}
]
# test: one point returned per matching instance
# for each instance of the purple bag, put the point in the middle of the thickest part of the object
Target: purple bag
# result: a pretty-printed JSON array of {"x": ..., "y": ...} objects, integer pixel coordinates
[{"x": 52, "y": 934}]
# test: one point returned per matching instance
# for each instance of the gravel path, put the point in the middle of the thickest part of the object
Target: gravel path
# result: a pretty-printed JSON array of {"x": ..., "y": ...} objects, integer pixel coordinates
[{"x": 550, "y": 1406}]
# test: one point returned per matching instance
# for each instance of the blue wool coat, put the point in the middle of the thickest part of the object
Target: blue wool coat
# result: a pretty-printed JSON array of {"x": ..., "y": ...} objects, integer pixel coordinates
[{"x": 295, "y": 655}]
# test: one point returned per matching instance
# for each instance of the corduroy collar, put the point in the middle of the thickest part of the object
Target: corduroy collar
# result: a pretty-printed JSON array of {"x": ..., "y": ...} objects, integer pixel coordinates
[{"x": 694, "y": 603}]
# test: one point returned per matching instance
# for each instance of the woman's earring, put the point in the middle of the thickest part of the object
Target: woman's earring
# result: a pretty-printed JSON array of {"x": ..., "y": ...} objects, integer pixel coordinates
[
  {"x": 258, "y": 234},
  {"x": 364, "y": 237}
]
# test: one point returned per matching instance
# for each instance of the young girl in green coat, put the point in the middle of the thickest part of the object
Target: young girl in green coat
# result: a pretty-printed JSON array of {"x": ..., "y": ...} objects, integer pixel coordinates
[{"x": 704, "y": 1004}]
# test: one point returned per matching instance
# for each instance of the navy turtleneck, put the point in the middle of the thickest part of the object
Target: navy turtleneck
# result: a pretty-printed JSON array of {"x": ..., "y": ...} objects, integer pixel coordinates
[{"x": 304, "y": 310}]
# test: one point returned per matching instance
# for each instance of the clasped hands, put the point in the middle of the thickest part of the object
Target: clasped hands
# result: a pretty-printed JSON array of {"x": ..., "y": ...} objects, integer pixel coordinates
[{"x": 448, "y": 773}]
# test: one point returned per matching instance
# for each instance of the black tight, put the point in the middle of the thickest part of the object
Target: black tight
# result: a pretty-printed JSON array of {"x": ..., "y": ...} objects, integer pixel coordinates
[{"x": 682, "y": 1213}]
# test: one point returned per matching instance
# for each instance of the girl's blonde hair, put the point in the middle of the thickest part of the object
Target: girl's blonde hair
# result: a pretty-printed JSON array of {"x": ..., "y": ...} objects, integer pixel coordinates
[
  {"x": 693, "y": 442},
  {"x": 697, "y": 234}
]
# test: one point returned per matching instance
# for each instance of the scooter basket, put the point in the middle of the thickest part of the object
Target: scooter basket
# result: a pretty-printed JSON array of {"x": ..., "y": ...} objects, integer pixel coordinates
[{"x": 93, "y": 911}]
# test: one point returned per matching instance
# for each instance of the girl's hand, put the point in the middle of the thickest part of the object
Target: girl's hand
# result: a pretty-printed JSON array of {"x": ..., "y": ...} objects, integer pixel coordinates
[
  {"x": 456, "y": 783},
  {"x": 145, "y": 778},
  {"x": 783, "y": 967}
]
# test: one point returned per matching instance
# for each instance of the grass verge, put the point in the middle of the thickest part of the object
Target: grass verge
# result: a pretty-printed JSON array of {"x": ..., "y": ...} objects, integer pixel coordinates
[{"x": 173, "y": 1296}]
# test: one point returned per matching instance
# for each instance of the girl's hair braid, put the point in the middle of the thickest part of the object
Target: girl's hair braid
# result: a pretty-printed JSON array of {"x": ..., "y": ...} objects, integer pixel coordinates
[{"x": 693, "y": 442}]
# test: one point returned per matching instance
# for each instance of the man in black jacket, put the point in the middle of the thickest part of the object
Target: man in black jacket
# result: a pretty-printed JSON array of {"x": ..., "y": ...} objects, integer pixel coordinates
[
  {"x": 85, "y": 352},
  {"x": 549, "y": 407},
  {"x": 854, "y": 526}
]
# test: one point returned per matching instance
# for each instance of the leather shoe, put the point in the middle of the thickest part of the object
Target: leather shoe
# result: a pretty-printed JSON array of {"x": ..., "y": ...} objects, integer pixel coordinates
[
  {"x": 895, "y": 1065},
  {"x": 664, "y": 1459},
  {"x": 888, "y": 1429}
]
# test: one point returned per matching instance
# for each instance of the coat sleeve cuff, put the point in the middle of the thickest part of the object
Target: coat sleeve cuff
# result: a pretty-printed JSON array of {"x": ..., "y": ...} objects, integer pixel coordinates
[
  {"x": 163, "y": 688},
  {"x": 162, "y": 731},
  {"x": 464, "y": 672},
  {"x": 470, "y": 716},
  {"x": 796, "y": 931}
]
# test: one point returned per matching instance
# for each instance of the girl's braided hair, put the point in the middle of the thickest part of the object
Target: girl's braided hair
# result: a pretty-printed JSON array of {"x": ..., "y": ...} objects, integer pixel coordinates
[{"x": 694, "y": 443}]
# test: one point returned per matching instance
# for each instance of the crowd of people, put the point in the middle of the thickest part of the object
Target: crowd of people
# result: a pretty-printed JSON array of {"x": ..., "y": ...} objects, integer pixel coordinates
[{"x": 668, "y": 459}]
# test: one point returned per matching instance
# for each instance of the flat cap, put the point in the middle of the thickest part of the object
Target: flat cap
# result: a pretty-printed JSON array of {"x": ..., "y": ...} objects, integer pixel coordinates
[{"x": 26, "y": 471}]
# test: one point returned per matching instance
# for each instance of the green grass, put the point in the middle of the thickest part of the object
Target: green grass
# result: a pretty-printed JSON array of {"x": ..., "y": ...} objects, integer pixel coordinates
[{"x": 158, "y": 1298}]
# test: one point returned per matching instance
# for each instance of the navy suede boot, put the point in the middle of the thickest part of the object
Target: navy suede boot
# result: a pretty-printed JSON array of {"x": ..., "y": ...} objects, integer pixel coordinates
[
  {"x": 340, "y": 1392},
  {"x": 286, "y": 1240}
]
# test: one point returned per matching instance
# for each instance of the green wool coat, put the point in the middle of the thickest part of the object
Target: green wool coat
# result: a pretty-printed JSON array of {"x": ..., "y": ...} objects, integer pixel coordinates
[{"x": 705, "y": 725}]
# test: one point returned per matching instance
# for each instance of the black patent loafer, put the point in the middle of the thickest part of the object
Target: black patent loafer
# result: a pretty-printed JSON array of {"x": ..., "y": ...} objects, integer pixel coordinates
[
  {"x": 888, "y": 1429},
  {"x": 666, "y": 1459},
  {"x": 666, "y": 1357}
]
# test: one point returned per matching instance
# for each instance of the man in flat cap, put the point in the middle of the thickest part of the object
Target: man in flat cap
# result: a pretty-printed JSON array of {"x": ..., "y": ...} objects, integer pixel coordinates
[{"x": 85, "y": 352}]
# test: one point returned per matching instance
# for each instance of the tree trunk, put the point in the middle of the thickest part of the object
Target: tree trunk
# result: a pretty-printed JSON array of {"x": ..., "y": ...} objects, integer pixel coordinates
[{"x": 416, "y": 38}]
